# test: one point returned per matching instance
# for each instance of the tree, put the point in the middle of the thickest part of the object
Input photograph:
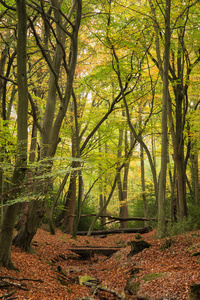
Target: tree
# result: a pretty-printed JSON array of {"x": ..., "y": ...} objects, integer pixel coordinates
[
  {"x": 7, "y": 93},
  {"x": 93, "y": 103},
  {"x": 164, "y": 140},
  {"x": 22, "y": 138},
  {"x": 182, "y": 63},
  {"x": 51, "y": 125}
]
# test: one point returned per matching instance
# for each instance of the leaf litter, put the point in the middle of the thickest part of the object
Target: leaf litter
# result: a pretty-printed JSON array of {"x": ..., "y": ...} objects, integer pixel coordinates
[{"x": 52, "y": 271}]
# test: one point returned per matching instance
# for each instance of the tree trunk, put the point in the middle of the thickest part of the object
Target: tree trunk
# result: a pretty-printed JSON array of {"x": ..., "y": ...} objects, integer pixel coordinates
[
  {"x": 177, "y": 131},
  {"x": 102, "y": 200},
  {"x": 33, "y": 149},
  {"x": 164, "y": 139},
  {"x": 35, "y": 213},
  {"x": 123, "y": 184},
  {"x": 105, "y": 205},
  {"x": 70, "y": 225},
  {"x": 51, "y": 124},
  {"x": 79, "y": 206},
  {"x": 102, "y": 196},
  {"x": 61, "y": 188},
  {"x": 195, "y": 176},
  {"x": 111, "y": 192},
  {"x": 136, "y": 136},
  {"x": 143, "y": 184},
  {"x": 2, "y": 148},
  {"x": 173, "y": 196},
  {"x": 22, "y": 137},
  {"x": 124, "y": 204},
  {"x": 119, "y": 180},
  {"x": 70, "y": 205}
]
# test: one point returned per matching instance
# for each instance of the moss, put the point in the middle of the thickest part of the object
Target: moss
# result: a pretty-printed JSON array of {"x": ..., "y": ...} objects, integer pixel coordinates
[
  {"x": 138, "y": 246},
  {"x": 152, "y": 276},
  {"x": 167, "y": 244},
  {"x": 195, "y": 292},
  {"x": 195, "y": 254},
  {"x": 120, "y": 243},
  {"x": 132, "y": 287},
  {"x": 138, "y": 237}
]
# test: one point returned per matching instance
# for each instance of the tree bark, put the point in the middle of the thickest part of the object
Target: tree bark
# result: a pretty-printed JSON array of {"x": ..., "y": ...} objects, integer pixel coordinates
[
  {"x": 123, "y": 184},
  {"x": 51, "y": 124},
  {"x": 70, "y": 205},
  {"x": 164, "y": 139},
  {"x": 195, "y": 176},
  {"x": 143, "y": 184},
  {"x": 22, "y": 137}
]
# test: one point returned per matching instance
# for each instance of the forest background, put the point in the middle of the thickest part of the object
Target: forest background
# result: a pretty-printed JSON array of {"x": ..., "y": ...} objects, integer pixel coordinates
[{"x": 99, "y": 115}]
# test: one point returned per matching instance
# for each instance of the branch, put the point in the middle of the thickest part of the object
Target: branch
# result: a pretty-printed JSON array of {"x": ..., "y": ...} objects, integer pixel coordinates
[
  {"x": 8, "y": 79},
  {"x": 7, "y": 295},
  {"x": 39, "y": 9},
  {"x": 7, "y": 6},
  {"x": 21, "y": 279},
  {"x": 105, "y": 289},
  {"x": 46, "y": 58},
  {"x": 33, "y": 106}
]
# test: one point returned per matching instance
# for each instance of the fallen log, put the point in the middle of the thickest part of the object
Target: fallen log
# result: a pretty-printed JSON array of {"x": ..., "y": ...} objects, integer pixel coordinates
[
  {"x": 124, "y": 218},
  {"x": 119, "y": 230},
  {"x": 87, "y": 252}
]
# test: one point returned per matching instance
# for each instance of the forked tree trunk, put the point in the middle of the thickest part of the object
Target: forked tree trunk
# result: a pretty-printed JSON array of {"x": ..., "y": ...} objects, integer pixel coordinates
[
  {"x": 51, "y": 124},
  {"x": 36, "y": 210}
]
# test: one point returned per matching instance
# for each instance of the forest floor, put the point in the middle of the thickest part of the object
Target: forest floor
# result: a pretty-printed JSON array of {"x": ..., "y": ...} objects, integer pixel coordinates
[{"x": 54, "y": 272}]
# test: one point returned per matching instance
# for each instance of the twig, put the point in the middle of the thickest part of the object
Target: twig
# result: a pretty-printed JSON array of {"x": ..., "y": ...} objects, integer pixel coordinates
[
  {"x": 20, "y": 279},
  {"x": 18, "y": 285},
  {"x": 7, "y": 295}
]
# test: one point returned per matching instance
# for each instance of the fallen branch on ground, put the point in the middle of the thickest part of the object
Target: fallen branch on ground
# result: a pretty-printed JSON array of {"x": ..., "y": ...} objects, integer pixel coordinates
[
  {"x": 20, "y": 279},
  {"x": 105, "y": 289},
  {"x": 7, "y": 295},
  {"x": 6, "y": 283}
]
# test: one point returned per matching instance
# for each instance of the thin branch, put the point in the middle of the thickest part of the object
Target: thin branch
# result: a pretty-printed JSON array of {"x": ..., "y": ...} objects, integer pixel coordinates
[
  {"x": 8, "y": 79},
  {"x": 46, "y": 58},
  {"x": 34, "y": 111}
]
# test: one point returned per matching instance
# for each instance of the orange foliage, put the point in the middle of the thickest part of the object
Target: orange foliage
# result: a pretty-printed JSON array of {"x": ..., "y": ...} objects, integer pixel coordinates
[{"x": 55, "y": 265}]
